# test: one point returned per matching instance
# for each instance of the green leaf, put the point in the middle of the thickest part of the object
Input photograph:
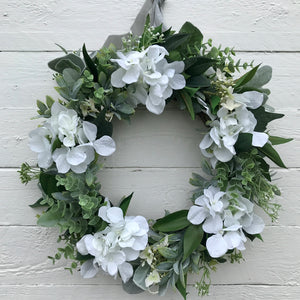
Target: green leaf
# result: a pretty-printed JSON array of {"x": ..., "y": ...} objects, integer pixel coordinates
[
  {"x": 41, "y": 106},
  {"x": 62, "y": 48},
  {"x": 245, "y": 78},
  {"x": 244, "y": 143},
  {"x": 188, "y": 102},
  {"x": 49, "y": 101},
  {"x": 68, "y": 61},
  {"x": 70, "y": 76},
  {"x": 263, "y": 118},
  {"x": 168, "y": 253},
  {"x": 125, "y": 204},
  {"x": 276, "y": 140},
  {"x": 192, "y": 239},
  {"x": 48, "y": 183},
  {"x": 182, "y": 288},
  {"x": 199, "y": 81},
  {"x": 271, "y": 153},
  {"x": 261, "y": 77},
  {"x": 196, "y": 66},
  {"x": 131, "y": 288},
  {"x": 140, "y": 275},
  {"x": 125, "y": 108},
  {"x": 103, "y": 127},
  {"x": 174, "y": 41},
  {"x": 195, "y": 35},
  {"x": 214, "y": 102},
  {"x": 90, "y": 64},
  {"x": 172, "y": 222},
  {"x": 38, "y": 203},
  {"x": 49, "y": 219}
]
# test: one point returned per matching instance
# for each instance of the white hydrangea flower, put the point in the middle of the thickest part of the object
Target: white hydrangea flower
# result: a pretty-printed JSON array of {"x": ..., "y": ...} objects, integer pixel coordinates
[
  {"x": 40, "y": 141},
  {"x": 78, "y": 141},
  {"x": 208, "y": 206},
  {"x": 218, "y": 144},
  {"x": 154, "y": 78},
  {"x": 213, "y": 211},
  {"x": 121, "y": 241}
]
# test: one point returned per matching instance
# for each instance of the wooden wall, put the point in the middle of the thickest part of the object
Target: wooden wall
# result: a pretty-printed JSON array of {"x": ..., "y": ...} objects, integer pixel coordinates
[{"x": 156, "y": 154}]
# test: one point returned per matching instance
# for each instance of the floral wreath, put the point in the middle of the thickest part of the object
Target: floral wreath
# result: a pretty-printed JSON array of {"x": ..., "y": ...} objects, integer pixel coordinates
[{"x": 155, "y": 68}]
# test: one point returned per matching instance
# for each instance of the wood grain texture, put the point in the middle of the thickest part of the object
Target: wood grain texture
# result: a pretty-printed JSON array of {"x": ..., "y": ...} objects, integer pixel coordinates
[
  {"x": 156, "y": 154},
  {"x": 163, "y": 188},
  {"x": 26, "y": 259},
  {"x": 25, "y": 78},
  {"x": 252, "y": 25}
]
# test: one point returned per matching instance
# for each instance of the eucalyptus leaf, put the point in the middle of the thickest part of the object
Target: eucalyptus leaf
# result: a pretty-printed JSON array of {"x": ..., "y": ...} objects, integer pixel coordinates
[
  {"x": 131, "y": 288},
  {"x": 140, "y": 275},
  {"x": 68, "y": 61}
]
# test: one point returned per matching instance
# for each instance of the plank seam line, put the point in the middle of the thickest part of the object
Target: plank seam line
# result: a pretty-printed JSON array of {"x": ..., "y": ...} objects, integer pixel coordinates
[{"x": 70, "y": 50}]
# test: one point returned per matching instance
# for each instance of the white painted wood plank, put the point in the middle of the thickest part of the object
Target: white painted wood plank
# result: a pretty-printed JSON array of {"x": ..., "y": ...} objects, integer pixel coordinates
[
  {"x": 255, "y": 25},
  {"x": 163, "y": 188},
  {"x": 115, "y": 292},
  {"x": 25, "y": 77},
  {"x": 168, "y": 140},
  {"x": 25, "y": 250}
]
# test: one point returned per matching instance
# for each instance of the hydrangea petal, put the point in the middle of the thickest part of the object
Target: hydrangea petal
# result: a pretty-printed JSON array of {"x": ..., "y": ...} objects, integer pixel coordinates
[
  {"x": 259, "y": 139},
  {"x": 155, "y": 109},
  {"x": 117, "y": 78},
  {"x": 126, "y": 271},
  {"x": 222, "y": 154},
  {"x": 256, "y": 227},
  {"x": 88, "y": 270},
  {"x": 114, "y": 214},
  {"x": 213, "y": 224},
  {"x": 105, "y": 146},
  {"x": 177, "y": 82},
  {"x": 216, "y": 246},
  {"x": 90, "y": 130},
  {"x": 75, "y": 156},
  {"x": 197, "y": 215},
  {"x": 140, "y": 242},
  {"x": 132, "y": 74}
]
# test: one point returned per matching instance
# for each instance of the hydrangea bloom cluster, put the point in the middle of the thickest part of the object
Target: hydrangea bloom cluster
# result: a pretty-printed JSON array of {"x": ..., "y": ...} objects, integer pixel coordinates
[
  {"x": 120, "y": 242},
  {"x": 152, "y": 77},
  {"x": 233, "y": 118},
  {"x": 77, "y": 141},
  {"x": 226, "y": 218}
]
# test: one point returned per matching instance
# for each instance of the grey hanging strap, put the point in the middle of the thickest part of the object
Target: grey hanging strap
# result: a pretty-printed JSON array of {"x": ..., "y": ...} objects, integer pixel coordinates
[{"x": 153, "y": 8}]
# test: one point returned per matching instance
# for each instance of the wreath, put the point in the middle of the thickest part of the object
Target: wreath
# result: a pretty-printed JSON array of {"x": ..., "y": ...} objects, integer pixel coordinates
[{"x": 153, "y": 69}]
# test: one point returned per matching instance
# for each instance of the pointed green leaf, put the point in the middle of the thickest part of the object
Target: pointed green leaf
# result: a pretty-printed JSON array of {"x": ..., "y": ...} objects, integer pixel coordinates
[
  {"x": 90, "y": 64},
  {"x": 125, "y": 204},
  {"x": 181, "y": 288},
  {"x": 175, "y": 40},
  {"x": 38, "y": 203},
  {"x": 263, "y": 118},
  {"x": 214, "y": 102},
  {"x": 276, "y": 140},
  {"x": 195, "y": 35},
  {"x": 246, "y": 77},
  {"x": 271, "y": 153},
  {"x": 192, "y": 239},
  {"x": 188, "y": 103},
  {"x": 172, "y": 222}
]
